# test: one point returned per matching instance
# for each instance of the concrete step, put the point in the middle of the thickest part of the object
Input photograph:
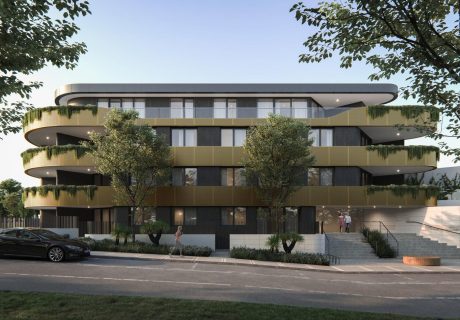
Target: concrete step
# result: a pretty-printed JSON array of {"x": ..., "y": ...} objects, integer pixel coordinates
[{"x": 413, "y": 244}]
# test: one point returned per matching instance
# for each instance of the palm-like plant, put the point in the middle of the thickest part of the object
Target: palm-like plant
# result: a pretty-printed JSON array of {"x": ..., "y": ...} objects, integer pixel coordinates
[
  {"x": 121, "y": 231},
  {"x": 154, "y": 229},
  {"x": 293, "y": 237},
  {"x": 273, "y": 242}
]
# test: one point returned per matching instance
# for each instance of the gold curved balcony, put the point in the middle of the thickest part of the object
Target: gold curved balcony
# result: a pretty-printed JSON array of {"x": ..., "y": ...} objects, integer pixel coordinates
[{"x": 235, "y": 196}]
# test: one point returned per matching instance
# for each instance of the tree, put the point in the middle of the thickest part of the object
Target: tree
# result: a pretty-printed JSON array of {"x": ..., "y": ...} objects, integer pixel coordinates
[
  {"x": 154, "y": 229},
  {"x": 33, "y": 34},
  {"x": 277, "y": 156},
  {"x": 447, "y": 186},
  {"x": 133, "y": 156},
  {"x": 417, "y": 38},
  {"x": 11, "y": 200}
]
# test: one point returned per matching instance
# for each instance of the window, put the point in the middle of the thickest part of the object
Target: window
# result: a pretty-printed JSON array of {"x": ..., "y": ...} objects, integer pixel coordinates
[
  {"x": 233, "y": 137},
  {"x": 300, "y": 108},
  {"x": 283, "y": 107},
  {"x": 292, "y": 220},
  {"x": 231, "y": 108},
  {"x": 184, "y": 177},
  {"x": 115, "y": 103},
  {"x": 127, "y": 104},
  {"x": 322, "y": 137},
  {"x": 233, "y": 216},
  {"x": 320, "y": 176},
  {"x": 139, "y": 106},
  {"x": 224, "y": 108},
  {"x": 102, "y": 103},
  {"x": 264, "y": 107},
  {"x": 181, "y": 108},
  {"x": 233, "y": 177},
  {"x": 183, "y": 137},
  {"x": 262, "y": 226},
  {"x": 188, "y": 108},
  {"x": 185, "y": 216}
]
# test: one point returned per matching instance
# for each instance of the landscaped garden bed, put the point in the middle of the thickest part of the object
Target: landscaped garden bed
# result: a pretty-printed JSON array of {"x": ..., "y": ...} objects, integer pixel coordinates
[{"x": 268, "y": 255}]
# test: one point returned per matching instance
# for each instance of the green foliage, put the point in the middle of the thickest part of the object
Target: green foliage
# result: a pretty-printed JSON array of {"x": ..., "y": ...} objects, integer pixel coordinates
[
  {"x": 446, "y": 185},
  {"x": 277, "y": 154},
  {"x": 121, "y": 231},
  {"x": 11, "y": 203},
  {"x": 154, "y": 229},
  {"x": 140, "y": 247},
  {"x": 268, "y": 255},
  {"x": 289, "y": 240},
  {"x": 67, "y": 111},
  {"x": 53, "y": 151},
  {"x": 72, "y": 190},
  {"x": 377, "y": 241},
  {"x": 412, "y": 151},
  {"x": 273, "y": 242},
  {"x": 418, "y": 40},
  {"x": 409, "y": 112},
  {"x": 133, "y": 156},
  {"x": 404, "y": 189},
  {"x": 34, "y": 34}
]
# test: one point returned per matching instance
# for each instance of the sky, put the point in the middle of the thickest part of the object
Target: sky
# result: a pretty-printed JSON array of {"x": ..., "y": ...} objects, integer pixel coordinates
[{"x": 186, "y": 41}]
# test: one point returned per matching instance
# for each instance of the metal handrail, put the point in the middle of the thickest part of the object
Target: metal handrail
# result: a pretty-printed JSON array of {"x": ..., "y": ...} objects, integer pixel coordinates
[
  {"x": 430, "y": 226},
  {"x": 388, "y": 232}
]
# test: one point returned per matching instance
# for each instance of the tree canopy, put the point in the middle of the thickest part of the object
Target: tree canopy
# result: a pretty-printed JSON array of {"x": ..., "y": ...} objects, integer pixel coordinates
[
  {"x": 134, "y": 156},
  {"x": 419, "y": 39},
  {"x": 11, "y": 199},
  {"x": 33, "y": 34}
]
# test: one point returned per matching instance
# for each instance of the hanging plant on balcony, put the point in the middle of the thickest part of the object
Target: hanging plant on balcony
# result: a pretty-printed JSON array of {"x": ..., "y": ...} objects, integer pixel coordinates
[
  {"x": 53, "y": 151},
  {"x": 72, "y": 190},
  {"x": 404, "y": 189},
  {"x": 412, "y": 151},
  {"x": 68, "y": 111},
  {"x": 407, "y": 111}
]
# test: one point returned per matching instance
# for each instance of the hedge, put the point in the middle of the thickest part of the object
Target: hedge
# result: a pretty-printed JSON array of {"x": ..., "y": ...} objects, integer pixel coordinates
[{"x": 267, "y": 255}]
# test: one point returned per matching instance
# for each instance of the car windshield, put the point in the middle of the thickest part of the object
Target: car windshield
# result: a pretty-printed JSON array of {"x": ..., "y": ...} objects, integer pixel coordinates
[{"x": 47, "y": 234}]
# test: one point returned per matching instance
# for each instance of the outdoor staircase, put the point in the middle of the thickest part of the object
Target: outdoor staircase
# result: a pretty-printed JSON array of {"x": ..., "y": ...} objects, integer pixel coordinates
[
  {"x": 350, "y": 246},
  {"x": 411, "y": 244}
]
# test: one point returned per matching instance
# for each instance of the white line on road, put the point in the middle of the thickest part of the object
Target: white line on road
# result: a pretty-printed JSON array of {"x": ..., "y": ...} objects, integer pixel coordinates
[
  {"x": 271, "y": 288},
  {"x": 420, "y": 268},
  {"x": 365, "y": 268},
  {"x": 450, "y": 268},
  {"x": 393, "y": 268},
  {"x": 337, "y": 268},
  {"x": 117, "y": 279}
]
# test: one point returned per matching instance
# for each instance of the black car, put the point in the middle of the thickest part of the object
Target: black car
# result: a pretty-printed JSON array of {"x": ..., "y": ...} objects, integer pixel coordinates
[{"x": 40, "y": 243}]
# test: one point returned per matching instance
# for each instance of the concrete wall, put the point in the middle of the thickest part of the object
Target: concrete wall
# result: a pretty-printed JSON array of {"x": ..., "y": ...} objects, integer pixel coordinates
[
  {"x": 202, "y": 240},
  {"x": 446, "y": 217},
  {"x": 313, "y": 243}
]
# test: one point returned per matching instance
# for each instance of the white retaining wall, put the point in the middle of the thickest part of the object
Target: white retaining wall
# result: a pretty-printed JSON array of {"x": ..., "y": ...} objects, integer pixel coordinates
[
  {"x": 313, "y": 243},
  {"x": 445, "y": 217},
  {"x": 202, "y": 240}
]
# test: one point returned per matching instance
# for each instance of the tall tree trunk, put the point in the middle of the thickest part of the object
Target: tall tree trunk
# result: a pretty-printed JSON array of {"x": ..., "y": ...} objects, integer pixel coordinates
[
  {"x": 288, "y": 248},
  {"x": 133, "y": 229}
]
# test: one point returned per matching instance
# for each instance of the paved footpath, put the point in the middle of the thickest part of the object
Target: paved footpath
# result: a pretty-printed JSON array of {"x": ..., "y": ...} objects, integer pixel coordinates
[{"x": 347, "y": 266}]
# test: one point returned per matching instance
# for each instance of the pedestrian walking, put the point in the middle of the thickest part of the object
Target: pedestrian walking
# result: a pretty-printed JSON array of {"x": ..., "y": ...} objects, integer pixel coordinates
[
  {"x": 347, "y": 222},
  {"x": 341, "y": 222},
  {"x": 178, "y": 244}
]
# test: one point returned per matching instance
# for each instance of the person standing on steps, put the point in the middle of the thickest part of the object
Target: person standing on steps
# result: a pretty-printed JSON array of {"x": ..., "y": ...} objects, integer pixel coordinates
[
  {"x": 347, "y": 222},
  {"x": 178, "y": 244},
  {"x": 341, "y": 222}
]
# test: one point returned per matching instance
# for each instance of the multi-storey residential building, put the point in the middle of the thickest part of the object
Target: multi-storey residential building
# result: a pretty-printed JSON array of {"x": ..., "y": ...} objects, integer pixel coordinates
[{"x": 206, "y": 124}]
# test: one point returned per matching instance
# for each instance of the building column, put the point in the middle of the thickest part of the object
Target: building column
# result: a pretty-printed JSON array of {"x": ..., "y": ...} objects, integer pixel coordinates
[{"x": 307, "y": 220}]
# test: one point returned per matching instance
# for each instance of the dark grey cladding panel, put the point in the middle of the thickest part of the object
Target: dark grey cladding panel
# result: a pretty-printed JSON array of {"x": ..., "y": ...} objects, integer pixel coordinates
[
  {"x": 347, "y": 136},
  {"x": 48, "y": 181},
  {"x": 247, "y": 102},
  {"x": 157, "y": 102},
  {"x": 208, "y": 176},
  {"x": 74, "y": 178},
  {"x": 204, "y": 107},
  {"x": 208, "y": 136},
  {"x": 307, "y": 220},
  {"x": 347, "y": 176},
  {"x": 386, "y": 180}
]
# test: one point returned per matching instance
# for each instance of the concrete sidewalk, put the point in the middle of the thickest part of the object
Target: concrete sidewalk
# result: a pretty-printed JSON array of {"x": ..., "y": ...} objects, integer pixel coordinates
[{"x": 345, "y": 266}]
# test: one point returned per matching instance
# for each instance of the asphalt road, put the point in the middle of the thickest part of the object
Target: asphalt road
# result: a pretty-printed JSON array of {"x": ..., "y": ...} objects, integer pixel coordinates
[{"x": 435, "y": 295}]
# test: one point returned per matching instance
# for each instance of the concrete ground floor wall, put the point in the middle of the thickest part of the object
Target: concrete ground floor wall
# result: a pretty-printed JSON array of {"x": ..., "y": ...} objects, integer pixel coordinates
[{"x": 312, "y": 243}]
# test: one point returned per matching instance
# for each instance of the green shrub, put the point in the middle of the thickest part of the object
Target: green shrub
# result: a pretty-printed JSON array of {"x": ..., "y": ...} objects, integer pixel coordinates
[
  {"x": 267, "y": 255},
  {"x": 273, "y": 242},
  {"x": 377, "y": 241}
]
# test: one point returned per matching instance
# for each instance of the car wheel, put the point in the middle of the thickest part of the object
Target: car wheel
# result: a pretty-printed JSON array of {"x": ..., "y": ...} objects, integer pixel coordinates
[{"x": 56, "y": 254}]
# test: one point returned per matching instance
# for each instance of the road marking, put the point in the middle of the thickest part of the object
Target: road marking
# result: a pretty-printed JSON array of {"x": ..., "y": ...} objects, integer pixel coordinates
[
  {"x": 118, "y": 279},
  {"x": 271, "y": 288},
  {"x": 450, "y": 268},
  {"x": 393, "y": 268},
  {"x": 365, "y": 269},
  {"x": 337, "y": 268},
  {"x": 194, "y": 266},
  {"x": 424, "y": 269}
]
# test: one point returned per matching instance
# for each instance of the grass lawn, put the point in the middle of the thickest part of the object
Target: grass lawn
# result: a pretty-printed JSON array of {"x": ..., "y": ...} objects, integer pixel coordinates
[{"x": 44, "y": 306}]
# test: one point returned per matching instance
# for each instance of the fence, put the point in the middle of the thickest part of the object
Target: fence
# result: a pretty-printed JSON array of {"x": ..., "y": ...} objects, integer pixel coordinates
[{"x": 10, "y": 222}]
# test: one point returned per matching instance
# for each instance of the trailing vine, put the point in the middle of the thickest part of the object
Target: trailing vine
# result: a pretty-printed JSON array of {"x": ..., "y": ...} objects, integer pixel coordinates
[
  {"x": 68, "y": 111},
  {"x": 53, "y": 151},
  {"x": 412, "y": 151},
  {"x": 408, "y": 111},
  {"x": 72, "y": 190},
  {"x": 404, "y": 189}
]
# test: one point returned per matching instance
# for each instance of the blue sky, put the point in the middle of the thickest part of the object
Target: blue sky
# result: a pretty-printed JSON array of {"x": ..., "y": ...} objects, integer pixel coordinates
[{"x": 186, "y": 41}]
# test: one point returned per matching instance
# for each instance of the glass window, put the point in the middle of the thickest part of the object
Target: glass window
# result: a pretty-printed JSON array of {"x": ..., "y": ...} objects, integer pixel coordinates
[
  {"x": 240, "y": 216},
  {"x": 190, "y": 176},
  {"x": 220, "y": 107},
  {"x": 190, "y": 138},
  {"x": 127, "y": 104},
  {"x": 299, "y": 108},
  {"x": 139, "y": 106},
  {"x": 231, "y": 108},
  {"x": 190, "y": 216},
  {"x": 226, "y": 137},
  {"x": 326, "y": 176},
  {"x": 115, "y": 103},
  {"x": 226, "y": 176},
  {"x": 283, "y": 107},
  {"x": 240, "y": 137},
  {"x": 178, "y": 216},
  {"x": 262, "y": 226},
  {"x": 188, "y": 108},
  {"x": 264, "y": 107},
  {"x": 177, "y": 176},
  {"x": 314, "y": 135},
  {"x": 313, "y": 176},
  {"x": 227, "y": 216},
  {"x": 240, "y": 178},
  {"x": 103, "y": 103},
  {"x": 177, "y": 110},
  {"x": 291, "y": 222},
  {"x": 177, "y": 137},
  {"x": 326, "y": 137}
]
